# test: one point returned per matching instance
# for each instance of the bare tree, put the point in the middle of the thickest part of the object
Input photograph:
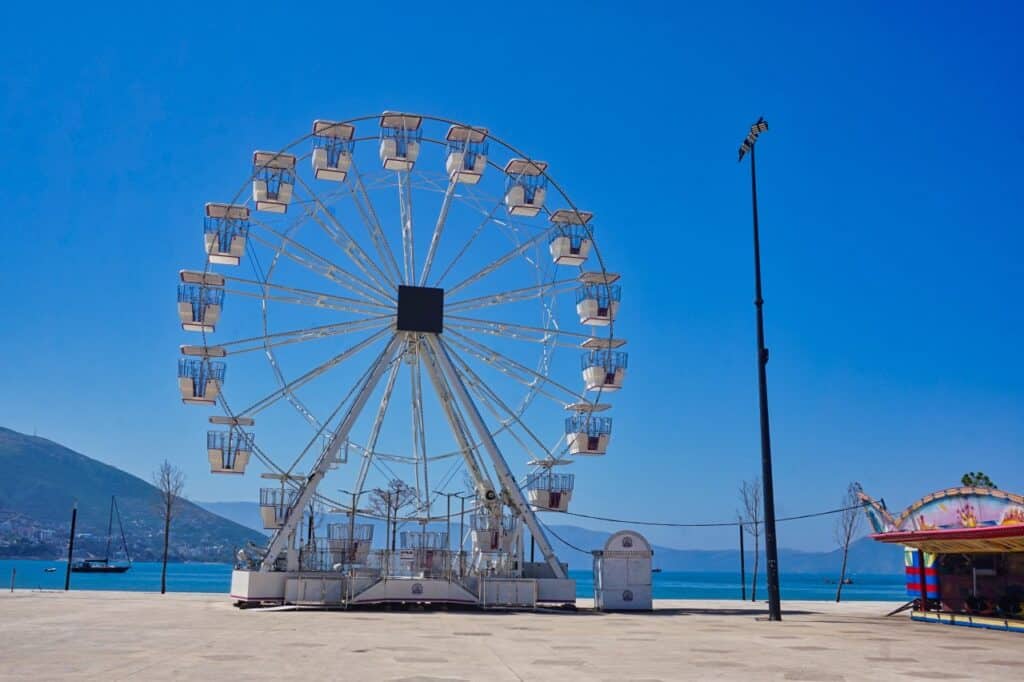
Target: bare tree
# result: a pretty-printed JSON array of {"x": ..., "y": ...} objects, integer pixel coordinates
[
  {"x": 387, "y": 502},
  {"x": 847, "y": 526},
  {"x": 169, "y": 481},
  {"x": 750, "y": 496}
]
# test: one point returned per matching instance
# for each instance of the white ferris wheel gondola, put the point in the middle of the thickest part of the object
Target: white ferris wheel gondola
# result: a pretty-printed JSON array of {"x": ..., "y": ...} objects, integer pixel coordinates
[
  {"x": 273, "y": 181},
  {"x": 571, "y": 242},
  {"x": 467, "y": 154},
  {"x": 526, "y": 187},
  {"x": 332, "y": 150},
  {"x": 400, "y": 137},
  {"x": 453, "y": 324}
]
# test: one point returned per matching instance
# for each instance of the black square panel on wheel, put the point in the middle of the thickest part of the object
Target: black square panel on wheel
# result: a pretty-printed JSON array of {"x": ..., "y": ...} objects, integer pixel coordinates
[{"x": 420, "y": 309}]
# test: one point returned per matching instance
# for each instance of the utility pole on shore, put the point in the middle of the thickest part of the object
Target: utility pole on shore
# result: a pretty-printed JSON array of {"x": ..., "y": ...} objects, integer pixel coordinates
[
  {"x": 743, "y": 567},
  {"x": 71, "y": 546}
]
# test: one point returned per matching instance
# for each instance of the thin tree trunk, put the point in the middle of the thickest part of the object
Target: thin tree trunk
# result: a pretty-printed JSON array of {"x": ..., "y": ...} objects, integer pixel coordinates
[
  {"x": 167, "y": 533},
  {"x": 842, "y": 573},
  {"x": 753, "y": 580}
]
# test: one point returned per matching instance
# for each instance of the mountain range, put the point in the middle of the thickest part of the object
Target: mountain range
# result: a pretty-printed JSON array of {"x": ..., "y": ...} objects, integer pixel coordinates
[{"x": 42, "y": 481}]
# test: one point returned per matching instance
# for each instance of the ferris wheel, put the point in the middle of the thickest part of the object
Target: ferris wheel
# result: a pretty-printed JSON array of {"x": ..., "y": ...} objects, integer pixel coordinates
[{"x": 402, "y": 298}]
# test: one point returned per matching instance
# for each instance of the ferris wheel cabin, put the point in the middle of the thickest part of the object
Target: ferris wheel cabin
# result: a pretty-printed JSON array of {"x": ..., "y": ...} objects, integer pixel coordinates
[
  {"x": 550, "y": 491},
  {"x": 273, "y": 180},
  {"x": 229, "y": 451},
  {"x": 467, "y": 154},
  {"x": 225, "y": 229},
  {"x": 199, "y": 380},
  {"x": 604, "y": 370},
  {"x": 488, "y": 531},
  {"x": 424, "y": 553},
  {"x": 570, "y": 243},
  {"x": 400, "y": 137},
  {"x": 199, "y": 307},
  {"x": 598, "y": 304},
  {"x": 274, "y": 504},
  {"x": 349, "y": 544},
  {"x": 587, "y": 435},
  {"x": 332, "y": 150},
  {"x": 525, "y": 187}
]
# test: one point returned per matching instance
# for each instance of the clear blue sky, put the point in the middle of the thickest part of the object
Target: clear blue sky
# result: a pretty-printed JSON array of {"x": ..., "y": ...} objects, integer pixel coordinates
[{"x": 891, "y": 210}]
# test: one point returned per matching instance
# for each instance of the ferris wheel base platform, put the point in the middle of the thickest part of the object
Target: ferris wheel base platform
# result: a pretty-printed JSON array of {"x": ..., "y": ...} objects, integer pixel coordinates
[{"x": 333, "y": 590}]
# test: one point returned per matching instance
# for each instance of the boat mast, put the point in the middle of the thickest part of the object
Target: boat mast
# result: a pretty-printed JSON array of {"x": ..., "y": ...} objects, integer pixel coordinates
[
  {"x": 110, "y": 528},
  {"x": 124, "y": 541}
]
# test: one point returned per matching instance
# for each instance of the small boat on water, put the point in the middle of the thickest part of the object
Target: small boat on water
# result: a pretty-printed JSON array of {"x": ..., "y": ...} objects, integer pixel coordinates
[
  {"x": 98, "y": 566},
  {"x": 50, "y": 569},
  {"x": 106, "y": 564}
]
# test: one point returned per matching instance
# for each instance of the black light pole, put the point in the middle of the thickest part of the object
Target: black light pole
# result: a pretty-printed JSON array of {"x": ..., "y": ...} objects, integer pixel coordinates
[
  {"x": 71, "y": 546},
  {"x": 350, "y": 554},
  {"x": 770, "y": 543}
]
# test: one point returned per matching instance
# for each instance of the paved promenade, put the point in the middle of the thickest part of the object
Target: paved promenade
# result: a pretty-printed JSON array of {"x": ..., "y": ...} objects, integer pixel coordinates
[{"x": 125, "y": 636}]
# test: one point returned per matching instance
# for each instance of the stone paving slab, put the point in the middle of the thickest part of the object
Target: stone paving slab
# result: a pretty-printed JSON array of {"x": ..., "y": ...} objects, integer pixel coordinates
[{"x": 144, "y": 636}]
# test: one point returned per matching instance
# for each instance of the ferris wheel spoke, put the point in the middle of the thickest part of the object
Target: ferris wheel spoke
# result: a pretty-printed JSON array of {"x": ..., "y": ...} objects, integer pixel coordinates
[
  {"x": 323, "y": 430},
  {"x": 378, "y": 421},
  {"x": 348, "y": 246},
  {"x": 529, "y": 382},
  {"x": 491, "y": 399},
  {"x": 306, "y": 297},
  {"x": 317, "y": 371},
  {"x": 344, "y": 240},
  {"x": 435, "y": 239},
  {"x": 310, "y": 212},
  {"x": 502, "y": 363},
  {"x": 508, "y": 257},
  {"x": 514, "y": 330},
  {"x": 316, "y": 263},
  {"x": 513, "y": 295},
  {"x": 488, "y": 217},
  {"x": 237, "y": 346},
  {"x": 405, "y": 213},
  {"x": 373, "y": 225}
]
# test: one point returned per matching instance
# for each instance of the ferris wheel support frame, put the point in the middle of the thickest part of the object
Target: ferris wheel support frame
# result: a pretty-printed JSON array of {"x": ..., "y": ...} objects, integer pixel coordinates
[
  {"x": 508, "y": 481},
  {"x": 282, "y": 537}
]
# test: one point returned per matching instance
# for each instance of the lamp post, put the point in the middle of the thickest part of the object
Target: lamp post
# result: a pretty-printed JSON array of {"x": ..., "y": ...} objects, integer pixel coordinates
[
  {"x": 770, "y": 543},
  {"x": 352, "y": 519},
  {"x": 449, "y": 497},
  {"x": 462, "y": 529}
]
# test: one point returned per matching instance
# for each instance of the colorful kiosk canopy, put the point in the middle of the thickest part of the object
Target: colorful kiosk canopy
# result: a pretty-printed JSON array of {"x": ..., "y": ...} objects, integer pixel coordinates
[{"x": 964, "y": 554}]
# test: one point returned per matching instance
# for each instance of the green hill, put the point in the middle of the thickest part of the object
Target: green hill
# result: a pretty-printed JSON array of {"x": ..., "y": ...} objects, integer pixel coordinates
[{"x": 43, "y": 479}]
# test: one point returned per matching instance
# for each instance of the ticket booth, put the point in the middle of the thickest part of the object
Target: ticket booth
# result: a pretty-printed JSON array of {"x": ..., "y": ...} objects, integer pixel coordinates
[{"x": 622, "y": 573}]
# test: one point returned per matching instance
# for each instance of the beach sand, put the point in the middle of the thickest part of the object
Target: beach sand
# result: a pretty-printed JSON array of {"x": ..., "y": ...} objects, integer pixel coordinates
[{"x": 132, "y": 635}]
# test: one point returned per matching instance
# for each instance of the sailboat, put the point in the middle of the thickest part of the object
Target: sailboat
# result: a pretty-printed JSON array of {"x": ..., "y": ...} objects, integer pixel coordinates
[{"x": 106, "y": 565}]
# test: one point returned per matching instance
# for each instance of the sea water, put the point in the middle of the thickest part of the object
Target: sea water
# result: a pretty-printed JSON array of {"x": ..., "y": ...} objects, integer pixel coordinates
[{"x": 198, "y": 577}]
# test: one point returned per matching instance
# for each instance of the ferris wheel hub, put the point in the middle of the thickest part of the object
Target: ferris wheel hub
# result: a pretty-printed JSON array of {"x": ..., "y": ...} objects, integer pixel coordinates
[{"x": 420, "y": 309}]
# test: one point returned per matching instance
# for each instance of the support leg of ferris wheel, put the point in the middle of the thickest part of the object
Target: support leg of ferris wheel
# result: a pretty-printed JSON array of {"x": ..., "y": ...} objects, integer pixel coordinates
[
  {"x": 481, "y": 481},
  {"x": 283, "y": 535},
  {"x": 501, "y": 467}
]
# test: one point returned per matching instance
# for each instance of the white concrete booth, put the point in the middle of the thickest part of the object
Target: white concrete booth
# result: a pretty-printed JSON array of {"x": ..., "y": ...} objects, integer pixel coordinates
[{"x": 622, "y": 573}]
